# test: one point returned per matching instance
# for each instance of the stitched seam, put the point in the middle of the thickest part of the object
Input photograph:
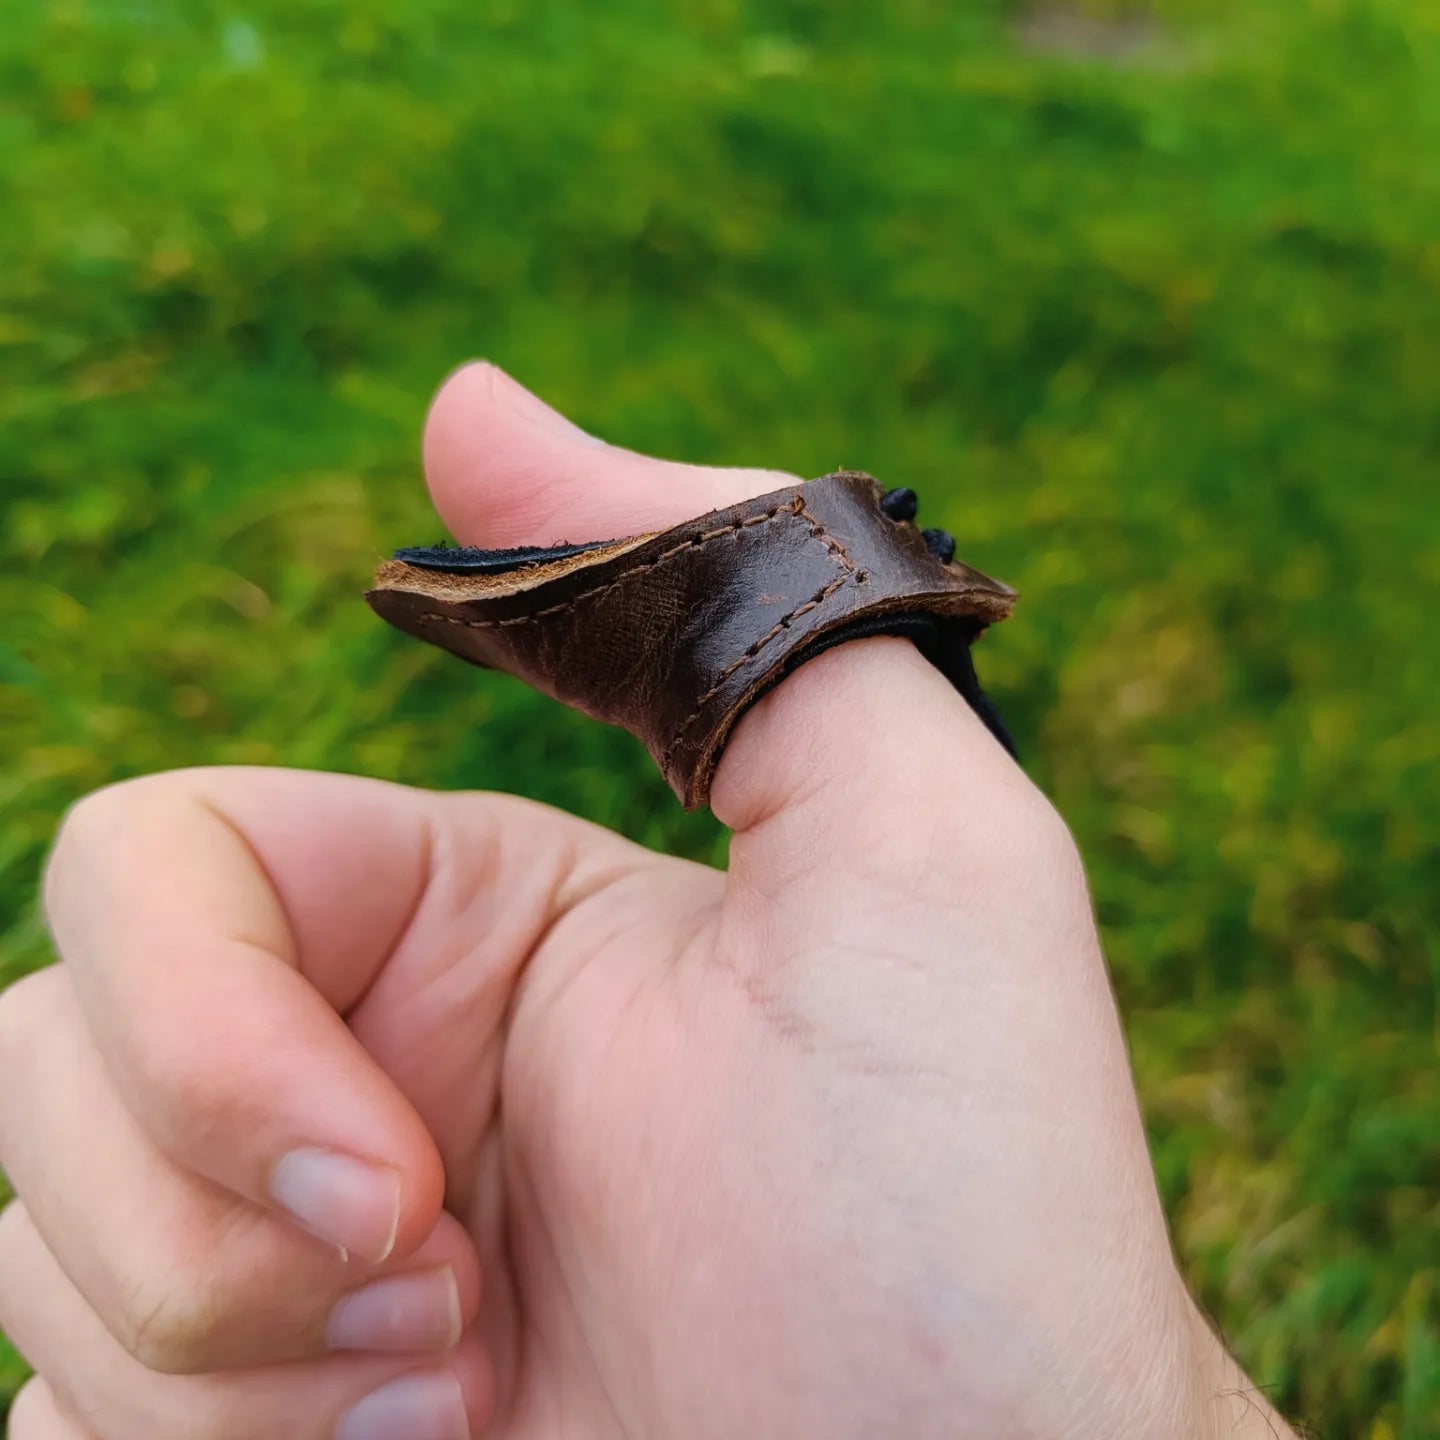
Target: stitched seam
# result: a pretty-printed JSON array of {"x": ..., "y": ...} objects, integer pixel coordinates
[
  {"x": 816, "y": 600},
  {"x": 834, "y": 546},
  {"x": 794, "y": 507},
  {"x": 842, "y": 556}
]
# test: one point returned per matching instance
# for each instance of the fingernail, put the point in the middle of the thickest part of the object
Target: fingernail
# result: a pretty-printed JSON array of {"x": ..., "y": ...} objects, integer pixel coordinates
[
  {"x": 349, "y": 1202},
  {"x": 401, "y": 1312},
  {"x": 414, "y": 1407}
]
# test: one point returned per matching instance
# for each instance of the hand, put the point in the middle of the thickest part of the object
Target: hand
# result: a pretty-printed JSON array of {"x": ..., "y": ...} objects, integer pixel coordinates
[{"x": 361, "y": 1112}]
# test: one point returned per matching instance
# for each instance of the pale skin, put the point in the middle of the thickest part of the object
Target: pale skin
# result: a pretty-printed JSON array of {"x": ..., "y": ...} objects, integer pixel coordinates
[{"x": 840, "y": 1142}]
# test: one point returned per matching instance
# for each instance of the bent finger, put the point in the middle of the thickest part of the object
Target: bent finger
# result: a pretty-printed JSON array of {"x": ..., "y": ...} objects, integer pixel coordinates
[
  {"x": 187, "y": 1276},
  {"x": 221, "y": 924},
  {"x": 344, "y": 1398},
  {"x": 191, "y": 976},
  {"x": 36, "y": 1415}
]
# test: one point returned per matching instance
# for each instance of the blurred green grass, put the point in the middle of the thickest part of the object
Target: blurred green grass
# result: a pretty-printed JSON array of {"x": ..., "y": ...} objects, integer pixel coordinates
[{"x": 1147, "y": 308}]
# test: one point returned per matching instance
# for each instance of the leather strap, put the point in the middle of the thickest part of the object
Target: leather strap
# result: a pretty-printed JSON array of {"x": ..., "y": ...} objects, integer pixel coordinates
[{"x": 675, "y": 634}]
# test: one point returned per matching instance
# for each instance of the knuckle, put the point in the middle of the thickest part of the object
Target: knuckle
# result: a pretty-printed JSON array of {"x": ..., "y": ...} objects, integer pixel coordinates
[
  {"x": 30, "y": 1411},
  {"x": 16, "y": 1233},
  {"x": 216, "y": 1301},
  {"x": 172, "y": 1330},
  {"x": 95, "y": 814},
  {"x": 11, "y": 1214},
  {"x": 32, "y": 1012},
  {"x": 25, "y": 1006},
  {"x": 43, "y": 1409},
  {"x": 12, "y": 1221},
  {"x": 89, "y": 828},
  {"x": 96, "y": 828}
]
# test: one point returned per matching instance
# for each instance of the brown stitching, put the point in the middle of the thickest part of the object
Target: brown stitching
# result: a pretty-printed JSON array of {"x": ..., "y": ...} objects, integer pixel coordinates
[
  {"x": 794, "y": 507},
  {"x": 834, "y": 546},
  {"x": 814, "y": 602},
  {"x": 842, "y": 555}
]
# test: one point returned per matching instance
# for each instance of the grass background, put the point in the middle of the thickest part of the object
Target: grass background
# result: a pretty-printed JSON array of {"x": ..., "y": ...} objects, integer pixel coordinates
[{"x": 1146, "y": 302}]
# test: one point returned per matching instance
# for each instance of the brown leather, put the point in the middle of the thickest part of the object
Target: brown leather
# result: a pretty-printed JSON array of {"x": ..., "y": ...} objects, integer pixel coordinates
[{"x": 674, "y": 634}]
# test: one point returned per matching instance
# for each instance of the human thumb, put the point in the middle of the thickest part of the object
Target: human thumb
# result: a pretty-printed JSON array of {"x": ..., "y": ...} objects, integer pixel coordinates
[{"x": 864, "y": 749}]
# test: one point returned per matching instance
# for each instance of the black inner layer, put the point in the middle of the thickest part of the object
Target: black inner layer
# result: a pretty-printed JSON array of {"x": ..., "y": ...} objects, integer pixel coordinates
[{"x": 466, "y": 560}]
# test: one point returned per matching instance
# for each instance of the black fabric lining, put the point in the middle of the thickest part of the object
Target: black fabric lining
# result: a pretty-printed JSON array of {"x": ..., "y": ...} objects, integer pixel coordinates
[
  {"x": 465, "y": 560},
  {"x": 945, "y": 644}
]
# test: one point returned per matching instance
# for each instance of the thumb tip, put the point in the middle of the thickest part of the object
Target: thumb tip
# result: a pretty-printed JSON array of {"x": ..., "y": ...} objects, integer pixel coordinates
[{"x": 505, "y": 469}]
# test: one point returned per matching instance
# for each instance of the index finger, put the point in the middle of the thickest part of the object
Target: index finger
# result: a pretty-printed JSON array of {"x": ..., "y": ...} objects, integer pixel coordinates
[{"x": 213, "y": 974}]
